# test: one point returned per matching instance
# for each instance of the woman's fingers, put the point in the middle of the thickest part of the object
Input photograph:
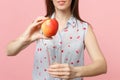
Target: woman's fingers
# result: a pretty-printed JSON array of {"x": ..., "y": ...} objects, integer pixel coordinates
[
  {"x": 60, "y": 73},
  {"x": 59, "y": 69},
  {"x": 36, "y": 25},
  {"x": 56, "y": 65},
  {"x": 64, "y": 71},
  {"x": 39, "y": 19}
]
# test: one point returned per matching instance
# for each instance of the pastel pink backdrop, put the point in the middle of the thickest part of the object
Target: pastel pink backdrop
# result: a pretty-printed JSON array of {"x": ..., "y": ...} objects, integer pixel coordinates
[{"x": 16, "y": 15}]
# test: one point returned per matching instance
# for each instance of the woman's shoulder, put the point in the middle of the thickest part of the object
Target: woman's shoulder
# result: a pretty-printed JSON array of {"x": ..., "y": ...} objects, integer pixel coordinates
[{"x": 83, "y": 24}]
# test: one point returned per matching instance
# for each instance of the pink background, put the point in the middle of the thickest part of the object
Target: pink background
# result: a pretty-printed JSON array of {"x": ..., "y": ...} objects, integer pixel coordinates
[{"x": 16, "y": 15}]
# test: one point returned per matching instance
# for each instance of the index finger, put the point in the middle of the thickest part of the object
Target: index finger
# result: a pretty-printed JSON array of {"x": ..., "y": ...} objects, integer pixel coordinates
[
  {"x": 58, "y": 66},
  {"x": 40, "y": 18}
]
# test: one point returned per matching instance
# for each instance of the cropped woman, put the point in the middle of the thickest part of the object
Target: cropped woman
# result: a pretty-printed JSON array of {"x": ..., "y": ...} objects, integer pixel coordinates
[{"x": 61, "y": 57}]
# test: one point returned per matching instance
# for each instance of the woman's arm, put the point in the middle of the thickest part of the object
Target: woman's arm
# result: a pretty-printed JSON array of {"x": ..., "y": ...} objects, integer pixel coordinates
[
  {"x": 97, "y": 67},
  {"x": 30, "y": 35},
  {"x": 15, "y": 46}
]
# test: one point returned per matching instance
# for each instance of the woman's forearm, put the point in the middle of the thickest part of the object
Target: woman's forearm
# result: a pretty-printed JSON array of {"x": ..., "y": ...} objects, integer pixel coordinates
[
  {"x": 94, "y": 69},
  {"x": 15, "y": 46}
]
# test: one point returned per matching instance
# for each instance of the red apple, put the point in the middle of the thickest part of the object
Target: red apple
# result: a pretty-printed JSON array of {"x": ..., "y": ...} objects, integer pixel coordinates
[{"x": 49, "y": 27}]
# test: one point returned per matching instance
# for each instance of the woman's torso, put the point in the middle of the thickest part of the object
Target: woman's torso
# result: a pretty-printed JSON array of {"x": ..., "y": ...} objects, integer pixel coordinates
[{"x": 67, "y": 46}]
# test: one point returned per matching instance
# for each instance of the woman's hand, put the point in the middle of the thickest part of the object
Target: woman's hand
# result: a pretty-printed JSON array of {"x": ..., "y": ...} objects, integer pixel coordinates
[
  {"x": 30, "y": 35},
  {"x": 63, "y": 71},
  {"x": 33, "y": 31}
]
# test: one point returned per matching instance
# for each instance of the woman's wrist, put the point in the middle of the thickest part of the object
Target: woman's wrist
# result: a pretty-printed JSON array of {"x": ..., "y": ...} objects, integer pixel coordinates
[
  {"x": 24, "y": 40},
  {"x": 77, "y": 71}
]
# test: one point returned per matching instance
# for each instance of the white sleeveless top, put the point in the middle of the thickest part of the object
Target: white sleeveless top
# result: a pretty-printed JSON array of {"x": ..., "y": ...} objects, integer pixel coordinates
[{"x": 67, "y": 46}]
